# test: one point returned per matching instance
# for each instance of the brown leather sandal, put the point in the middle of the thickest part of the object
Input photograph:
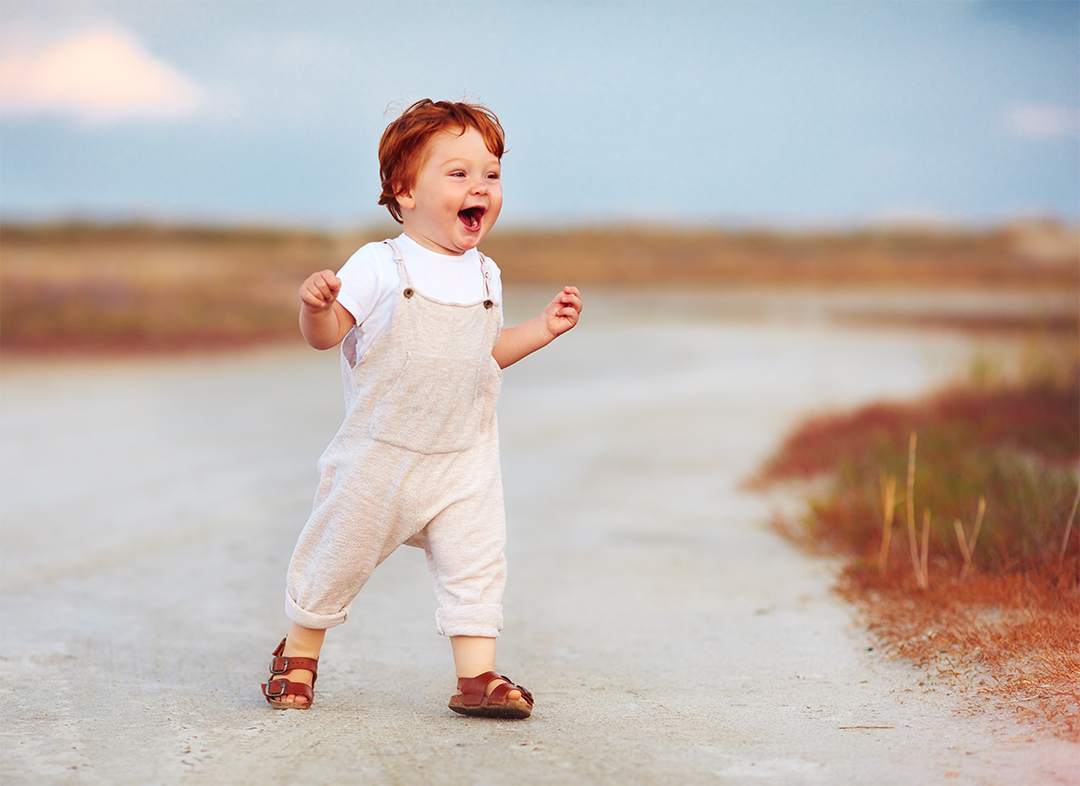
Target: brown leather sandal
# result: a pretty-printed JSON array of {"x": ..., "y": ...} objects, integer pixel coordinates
[
  {"x": 470, "y": 700},
  {"x": 275, "y": 689}
]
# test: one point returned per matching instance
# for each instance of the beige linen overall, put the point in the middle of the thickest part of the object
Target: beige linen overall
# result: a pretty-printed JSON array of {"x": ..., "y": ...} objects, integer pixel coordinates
[{"x": 416, "y": 462}]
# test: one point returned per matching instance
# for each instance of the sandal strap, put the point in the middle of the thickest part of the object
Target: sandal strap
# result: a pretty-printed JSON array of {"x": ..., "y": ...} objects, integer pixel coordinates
[
  {"x": 498, "y": 696},
  {"x": 275, "y": 689},
  {"x": 282, "y": 664},
  {"x": 476, "y": 686},
  {"x": 474, "y": 690}
]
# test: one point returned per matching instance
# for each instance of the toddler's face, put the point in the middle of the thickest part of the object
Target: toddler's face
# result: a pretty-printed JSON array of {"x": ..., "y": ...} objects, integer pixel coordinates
[{"x": 457, "y": 195}]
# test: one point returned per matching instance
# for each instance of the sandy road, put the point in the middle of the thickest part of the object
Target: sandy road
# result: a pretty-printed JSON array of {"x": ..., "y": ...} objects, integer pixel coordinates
[{"x": 149, "y": 508}]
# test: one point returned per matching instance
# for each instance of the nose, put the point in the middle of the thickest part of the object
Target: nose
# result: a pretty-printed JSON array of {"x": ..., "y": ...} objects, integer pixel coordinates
[{"x": 481, "y": 186}]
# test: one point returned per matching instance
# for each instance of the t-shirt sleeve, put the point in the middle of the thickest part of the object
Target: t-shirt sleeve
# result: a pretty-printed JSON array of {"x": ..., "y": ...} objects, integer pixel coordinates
[{"x": 362, "y": 281}]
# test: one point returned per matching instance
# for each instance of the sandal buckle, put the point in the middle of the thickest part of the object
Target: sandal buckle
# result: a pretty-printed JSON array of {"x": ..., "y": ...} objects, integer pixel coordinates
[
  {"x": 279, "y": 665},
  {"x": 281, "y": 688}
]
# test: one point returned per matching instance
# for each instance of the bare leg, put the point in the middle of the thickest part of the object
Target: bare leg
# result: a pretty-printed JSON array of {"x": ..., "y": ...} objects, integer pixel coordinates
[
  {"x": 301, "y": 643},
  {"x": 473, "y": 655}
]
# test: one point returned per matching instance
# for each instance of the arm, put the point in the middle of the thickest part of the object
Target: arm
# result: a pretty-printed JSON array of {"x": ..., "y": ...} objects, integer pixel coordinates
[
  {"x": 323, "y": 321},
  {"x": 560, "y": 315}
]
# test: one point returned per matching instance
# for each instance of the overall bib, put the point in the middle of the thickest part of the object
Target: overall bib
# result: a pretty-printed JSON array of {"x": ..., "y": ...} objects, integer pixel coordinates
[{"x": 416, "y": 462}]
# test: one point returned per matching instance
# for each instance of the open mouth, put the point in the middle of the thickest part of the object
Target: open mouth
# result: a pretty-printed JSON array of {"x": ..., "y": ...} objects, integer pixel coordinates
[{"x": 471, "y": 216}]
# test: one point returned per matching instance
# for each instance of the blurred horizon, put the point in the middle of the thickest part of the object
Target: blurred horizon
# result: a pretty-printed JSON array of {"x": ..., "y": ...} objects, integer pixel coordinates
[{"x": 781, "y": 114}]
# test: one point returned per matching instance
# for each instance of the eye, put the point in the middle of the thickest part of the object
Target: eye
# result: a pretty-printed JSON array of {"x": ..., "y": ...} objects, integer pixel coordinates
[{"x": 492, "y": 175}]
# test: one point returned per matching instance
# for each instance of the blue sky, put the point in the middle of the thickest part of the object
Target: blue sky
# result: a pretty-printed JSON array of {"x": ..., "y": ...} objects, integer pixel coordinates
[{"x": 782, "y": 113}]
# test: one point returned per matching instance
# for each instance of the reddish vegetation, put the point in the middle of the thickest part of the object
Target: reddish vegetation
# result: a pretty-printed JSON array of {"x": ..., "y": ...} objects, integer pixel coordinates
[
  {"x": 1007, "y": 625},
  {"x": 1041, "y": 419},
  {"x": 1008, "y": 640}
]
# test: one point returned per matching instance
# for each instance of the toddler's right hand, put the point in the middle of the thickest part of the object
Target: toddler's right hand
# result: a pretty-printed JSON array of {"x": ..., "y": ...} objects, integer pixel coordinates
[{"x": 320, "y": 290}]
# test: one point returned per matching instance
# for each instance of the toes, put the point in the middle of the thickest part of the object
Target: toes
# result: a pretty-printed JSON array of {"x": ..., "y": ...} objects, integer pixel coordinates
[
  {"x": 512, "y": 695},
  {"x": 293, "y": 698}
]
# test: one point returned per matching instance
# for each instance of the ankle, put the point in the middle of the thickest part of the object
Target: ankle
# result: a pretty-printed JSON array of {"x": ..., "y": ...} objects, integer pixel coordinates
[
  {"x": 294, "y": 651},
  {"x": 304, "y": 642},
  {"x": 473, "y": 655}
]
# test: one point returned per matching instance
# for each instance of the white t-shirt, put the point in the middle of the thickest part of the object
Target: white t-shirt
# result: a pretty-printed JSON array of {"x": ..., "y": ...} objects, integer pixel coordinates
[{"x": 370, "y": 282}]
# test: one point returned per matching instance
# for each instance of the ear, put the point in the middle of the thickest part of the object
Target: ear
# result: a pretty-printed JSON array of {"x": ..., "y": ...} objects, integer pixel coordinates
[{"x": 405, "y": 201}]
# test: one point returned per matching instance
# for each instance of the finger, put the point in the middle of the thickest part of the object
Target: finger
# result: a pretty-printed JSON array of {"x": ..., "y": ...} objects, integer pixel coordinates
[
  {"x": 571, "y": 302},
  {"x": 567, "y": 313},
  {"x": 332, "y": 281},
  {"x": 325, "y": 282},
  {"x": 316, "y": 295},
  {"x": 328, "y": 289}
]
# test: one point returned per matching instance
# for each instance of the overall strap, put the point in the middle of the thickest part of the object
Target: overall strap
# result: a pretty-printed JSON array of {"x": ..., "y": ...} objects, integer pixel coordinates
[
  {"x": 487, "y": 279},
  {"x": 402, "y": 271}
]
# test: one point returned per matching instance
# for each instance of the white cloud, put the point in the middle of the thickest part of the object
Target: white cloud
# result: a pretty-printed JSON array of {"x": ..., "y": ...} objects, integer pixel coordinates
[
  {"x": 96, "y": 76},
  {"x": 1043, "y": 121}
]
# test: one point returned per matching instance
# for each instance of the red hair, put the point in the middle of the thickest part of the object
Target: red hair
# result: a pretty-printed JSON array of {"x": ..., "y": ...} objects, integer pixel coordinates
[{"x": 404, "y": 140}]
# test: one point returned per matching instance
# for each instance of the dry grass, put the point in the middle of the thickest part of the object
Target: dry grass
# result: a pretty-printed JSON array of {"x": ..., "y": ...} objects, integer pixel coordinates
[
  {"x": 1029, "y": 255},
  {"x": 956, "y": 517},
  {"x": 1008, "y": 640},
  {"x": 86, "y": 288},
  {"x": 82, "y": 287}
]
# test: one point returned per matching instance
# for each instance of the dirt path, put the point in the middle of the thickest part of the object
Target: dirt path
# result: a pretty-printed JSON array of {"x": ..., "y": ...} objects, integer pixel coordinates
[{"x": 149, "y": 508}]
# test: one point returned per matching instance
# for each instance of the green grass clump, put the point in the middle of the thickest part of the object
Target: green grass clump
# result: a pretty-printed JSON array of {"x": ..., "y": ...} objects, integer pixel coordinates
[{"x": 1014, "y": 445}]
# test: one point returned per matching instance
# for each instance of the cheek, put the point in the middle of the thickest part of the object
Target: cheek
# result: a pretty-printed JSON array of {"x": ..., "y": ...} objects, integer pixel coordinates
[
  {"x": 451, "y": 199},
  {"x": 496, "y": 202}
]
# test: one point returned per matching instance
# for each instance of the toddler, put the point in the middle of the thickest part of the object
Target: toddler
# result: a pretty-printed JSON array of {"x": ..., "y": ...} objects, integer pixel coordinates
[{"x": 416, "y": 462}]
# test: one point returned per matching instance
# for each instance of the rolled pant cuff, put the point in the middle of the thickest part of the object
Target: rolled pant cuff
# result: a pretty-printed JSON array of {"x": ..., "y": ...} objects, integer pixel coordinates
[
  {"x": 309, "y": 620},
  {"x": 480, "y": 619}
]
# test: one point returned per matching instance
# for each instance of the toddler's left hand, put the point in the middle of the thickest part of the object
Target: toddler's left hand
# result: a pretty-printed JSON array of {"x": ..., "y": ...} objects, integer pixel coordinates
[{"x": 562, "y": 313}]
